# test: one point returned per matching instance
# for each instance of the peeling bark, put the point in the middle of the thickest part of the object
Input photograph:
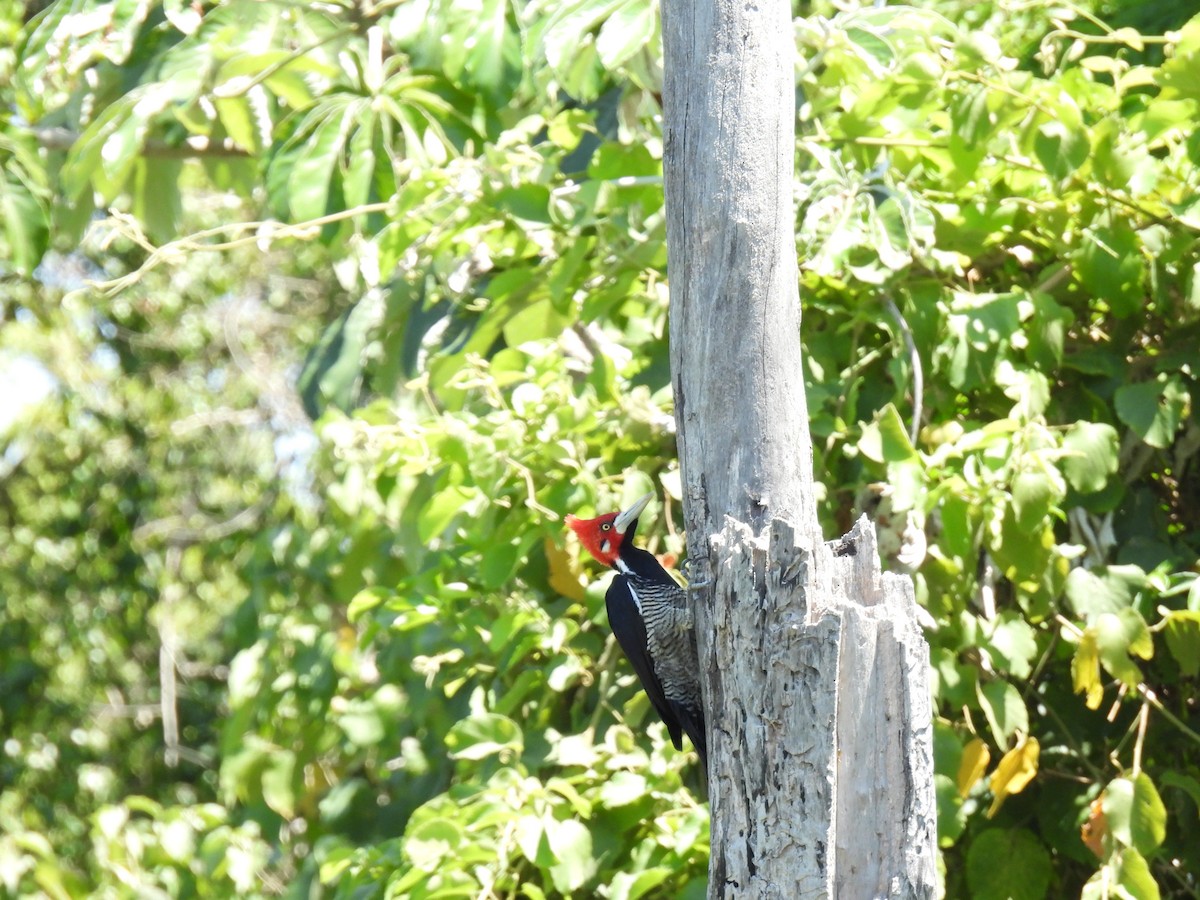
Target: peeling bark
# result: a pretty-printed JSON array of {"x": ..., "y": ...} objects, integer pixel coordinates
[{"x": 817, "y": 680}]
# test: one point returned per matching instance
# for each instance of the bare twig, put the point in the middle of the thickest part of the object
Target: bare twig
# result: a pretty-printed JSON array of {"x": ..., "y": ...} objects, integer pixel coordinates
[{"x": 914, "y": 362}]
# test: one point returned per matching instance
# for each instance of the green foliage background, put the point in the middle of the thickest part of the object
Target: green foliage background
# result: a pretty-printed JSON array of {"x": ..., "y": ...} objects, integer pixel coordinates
[{"x": 317, "y": 319}]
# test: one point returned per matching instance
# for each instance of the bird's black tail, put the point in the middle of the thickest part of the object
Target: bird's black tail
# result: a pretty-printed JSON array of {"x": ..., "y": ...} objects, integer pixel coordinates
[{"x": 692, "y": 720}]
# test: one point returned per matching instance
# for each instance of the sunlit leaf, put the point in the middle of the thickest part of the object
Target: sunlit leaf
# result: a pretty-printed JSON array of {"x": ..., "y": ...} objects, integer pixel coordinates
[
  {"x": 1004, "y": 709},
  {"x": 626, "y": 31},
  {"x": 975, "y": 759},
  {"x": 1093, "y": 455},
  {"x": 1120, "y": 636},
  {"x": 1135, "y": 814},
  {"x": 886, "y": 439},
  {"x": 1085, "y": 669},
  {"x": 623, "y": 788},
  {"x": 1013, "y": 773},
  {"x": 26, "y": 223},
  {"x": 483, "y": 735},
  {"x": 1152, "y": 409},
  {"x": 571, "y": 844},
  {"x": 278, "y": 782},
  {"x": 431, "y": 842},
  {"x": 1107, "y": 589}
]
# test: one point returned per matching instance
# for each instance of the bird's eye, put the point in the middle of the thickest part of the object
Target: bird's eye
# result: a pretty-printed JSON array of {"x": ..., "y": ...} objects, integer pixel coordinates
[{"x": 607, "y": 526}]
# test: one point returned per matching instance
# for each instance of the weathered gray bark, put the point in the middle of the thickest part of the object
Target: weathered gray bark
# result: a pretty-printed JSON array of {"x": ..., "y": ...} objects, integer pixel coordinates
[
  {"x": 815, "y": 672},
  {"x": 729, "y": 106},
  {"x": 822, "y": 767}
]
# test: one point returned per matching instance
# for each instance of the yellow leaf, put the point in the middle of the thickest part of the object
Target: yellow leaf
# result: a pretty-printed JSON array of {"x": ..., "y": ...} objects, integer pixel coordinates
[
  {"x": 1085, "y": 669},
  {"x": 1014, "y": 771},
  {"x": 565, "y": 575},
  {"x": 975, "y": 759}
]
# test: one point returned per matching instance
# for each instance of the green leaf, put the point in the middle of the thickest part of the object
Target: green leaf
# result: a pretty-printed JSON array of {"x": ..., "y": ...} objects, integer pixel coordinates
[
  {"x": 278, "y": 782},
  {"x": 363, "y": 723},
  {"x": 1047, "y": 331},
  {"x": 1153, "y": 409},
  {"x": 571, "y": 845},
  {"x": 488, "y": 54},
  {"x": 1183, "y": 640},
  {"x": 980, "y": 330},
  {"x": 107, "y": 151},
  {"x": 332, "y": 373},
  {"x": 483, "y": 735},
  {"x": 1109, "y": 264},
  {"x": 1015, "y": 641},
  {"x": 26, "y": 224},
  {"x": 528, "y": 203},
  {"x": 1093, "y": 449},
  {"x": 430, "y": 843},
  {"x": 310, "y": 181},
  {"x": 954, "y": 682},
  {"x": 886, "y": 439},
  {"x": 1119, "y": 636},
  {"x": 1134, "y": 875},
  {"x": 1135, "y": 813},
  {"x": 1033, "y": 494},
  {"x": 364, "y": 601},
  {"x": 1180, "y": 75},
  {"x": 157, "y": 200},
  {"x": 531, "y": 839},
  {"x": 1028, "y": 388},
  {"x": 238, "y": 120},
  {"x": 1092, "y": 592},
  {"x": 630, "y": 886},
  {"x": 441, "y": 510},
  {"x": 1005, "y": 710},
  {"x": 622, "y": 788},
  {"x": 536, "y": 322},
  {"x": 1061, "y": 148},
  {"x": 628, "y": 30},
  {"x": 889, "y": 234},
  {"x": 970, "y": 116},
  {"x": 1125, "y": 876},
  {"x": 1186, "y": 783},
  {"x": 1008, "y": 864},
  {"x": 951, "y": 817},
  {"x": 568, "y": 43}
]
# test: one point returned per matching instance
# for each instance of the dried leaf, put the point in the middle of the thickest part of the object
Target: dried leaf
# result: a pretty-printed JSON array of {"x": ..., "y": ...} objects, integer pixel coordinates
[{"x": 1094, "y": 832}]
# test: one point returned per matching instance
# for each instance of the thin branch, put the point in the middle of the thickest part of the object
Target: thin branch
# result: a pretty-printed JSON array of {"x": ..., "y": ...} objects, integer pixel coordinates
[
  {"x": 914, "y": 361},
  {"x": 1143, "y": 718},
  {"x": 189, "y": 148},
  {"x": 1082, "y": 37},
  {"x": 265, "y": 231},
  {"x": 178, "y": 530},
  {"x": 240, "y": 89},
  {"x": 166, "y": 658}
]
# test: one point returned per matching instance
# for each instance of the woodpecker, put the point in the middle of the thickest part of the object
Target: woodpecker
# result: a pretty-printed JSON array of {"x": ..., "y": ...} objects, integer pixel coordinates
[{"x": 649, "y": 614}]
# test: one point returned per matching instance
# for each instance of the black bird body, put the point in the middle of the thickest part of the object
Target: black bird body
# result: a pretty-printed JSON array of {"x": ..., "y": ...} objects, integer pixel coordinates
[{"x": 651, "y": 619}]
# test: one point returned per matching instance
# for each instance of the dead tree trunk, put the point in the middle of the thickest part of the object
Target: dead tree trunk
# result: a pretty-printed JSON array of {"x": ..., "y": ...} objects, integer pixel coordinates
[{"x": 815, "y": 672}]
